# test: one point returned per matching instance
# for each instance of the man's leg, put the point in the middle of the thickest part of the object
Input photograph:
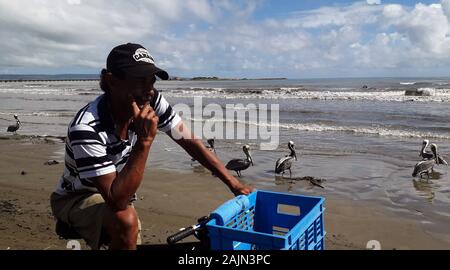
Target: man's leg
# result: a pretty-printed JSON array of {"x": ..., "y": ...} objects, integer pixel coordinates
[
  {"x": 122, "y": 227},
  {"x": 89, "y": 215}
]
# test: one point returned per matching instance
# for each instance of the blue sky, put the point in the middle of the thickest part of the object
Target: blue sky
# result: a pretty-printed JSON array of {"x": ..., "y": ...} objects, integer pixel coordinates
[
  {"x": 231, "y": 38},
  {"x": 283, "y": 7}
]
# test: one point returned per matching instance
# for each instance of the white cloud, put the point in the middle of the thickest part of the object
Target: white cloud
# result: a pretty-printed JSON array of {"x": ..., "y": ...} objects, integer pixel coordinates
[
  {"x": 74, "y": 2},
  {"x": 426, "y": 26},
  {"x": 446, "y": 8},
  {"x": 63, "y": 34},
  {"x": 373, "y": 2},
  {"x": 355, "y": 14},
  {"x": 200, "y": 37},
  {"x": 202, "y": 9},
  {"x": 393, "y": 11}
]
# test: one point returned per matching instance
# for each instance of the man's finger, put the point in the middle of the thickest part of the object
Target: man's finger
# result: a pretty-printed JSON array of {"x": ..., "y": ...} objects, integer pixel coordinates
[
  {"x": 151, "y": 112},
  {"x": 145, "y": 110},
  {"x": 135, "y": 107},
  {"x": 136, "y": 110},
  {"x": 155, "y": 119}
]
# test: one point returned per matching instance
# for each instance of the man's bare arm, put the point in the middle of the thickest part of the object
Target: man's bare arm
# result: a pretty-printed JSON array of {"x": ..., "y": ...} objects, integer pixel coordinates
[
  {"x": 194, "y": 147},
  {"x": 117, "y": 189}
]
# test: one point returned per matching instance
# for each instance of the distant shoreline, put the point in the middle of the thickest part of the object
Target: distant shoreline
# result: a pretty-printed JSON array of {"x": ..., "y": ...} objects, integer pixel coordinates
[
  {"x": 92, "y": 77},
  {"x": 95, "y": 77}
]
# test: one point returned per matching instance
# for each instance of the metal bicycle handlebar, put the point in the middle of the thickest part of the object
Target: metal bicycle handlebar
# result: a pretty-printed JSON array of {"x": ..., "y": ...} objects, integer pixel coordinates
[{"x": 198, "y": 230}]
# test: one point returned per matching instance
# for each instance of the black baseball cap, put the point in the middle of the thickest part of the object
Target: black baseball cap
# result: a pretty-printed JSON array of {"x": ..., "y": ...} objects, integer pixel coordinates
[{"x": 133, "y": 61}]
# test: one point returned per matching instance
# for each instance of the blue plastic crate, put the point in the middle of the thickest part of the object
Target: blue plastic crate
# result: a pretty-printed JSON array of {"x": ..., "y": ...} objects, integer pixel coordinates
[{"x": 268, "y": 221}]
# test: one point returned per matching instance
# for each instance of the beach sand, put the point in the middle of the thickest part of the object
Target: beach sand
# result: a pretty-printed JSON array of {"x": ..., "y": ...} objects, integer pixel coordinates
[{"x": 168, "y": 201}]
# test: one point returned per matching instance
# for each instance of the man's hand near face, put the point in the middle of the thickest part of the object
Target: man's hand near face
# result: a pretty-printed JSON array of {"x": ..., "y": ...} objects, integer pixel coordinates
[{"x": 145, "y": 122}]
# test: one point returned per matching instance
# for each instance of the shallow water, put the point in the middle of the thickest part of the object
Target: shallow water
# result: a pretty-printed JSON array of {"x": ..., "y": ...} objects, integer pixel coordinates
[{"x": 363, "y": 141}]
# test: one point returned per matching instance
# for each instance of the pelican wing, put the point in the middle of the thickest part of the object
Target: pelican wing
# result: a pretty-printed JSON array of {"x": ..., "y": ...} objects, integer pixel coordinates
[
  {"x": 423, "y": 166},
  {"x": 283, "y": 164},
  {"x": 13, "y": 128},
  {"x": 237, "y": 164}
]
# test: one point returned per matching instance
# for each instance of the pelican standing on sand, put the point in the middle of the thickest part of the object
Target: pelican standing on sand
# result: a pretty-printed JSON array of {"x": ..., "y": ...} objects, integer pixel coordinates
[
  {"x": 423, "y": 153},
  {"x": 14, "y": 128},
  {"x": 439, "y": 159},
  {"x": 239, "y": 165},
  {"x": 285, "y": 163}
]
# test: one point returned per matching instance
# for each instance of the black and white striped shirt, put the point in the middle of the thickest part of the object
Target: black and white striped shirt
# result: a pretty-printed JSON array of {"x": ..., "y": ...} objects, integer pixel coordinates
[{"x": 92, "y": 148}]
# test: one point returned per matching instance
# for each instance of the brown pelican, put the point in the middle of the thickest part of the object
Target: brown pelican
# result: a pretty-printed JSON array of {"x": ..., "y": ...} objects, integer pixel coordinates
[
  {"x": 239, "y": 165},
  {"x": 423, "y": 153},
  {"x": 439, "y": 159},
  {"x": 424, "y": 167},
  {"x": 285, "y": 163},
  {"x": 14, "y": 128}
]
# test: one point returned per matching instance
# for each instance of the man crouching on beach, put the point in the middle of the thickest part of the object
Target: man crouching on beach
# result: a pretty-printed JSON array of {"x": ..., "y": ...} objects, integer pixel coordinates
[{"x": 108, "y": 144}]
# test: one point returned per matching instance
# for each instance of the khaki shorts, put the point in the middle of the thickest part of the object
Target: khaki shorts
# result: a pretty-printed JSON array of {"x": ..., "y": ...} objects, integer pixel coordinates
[{"x": 84, "y": 211}]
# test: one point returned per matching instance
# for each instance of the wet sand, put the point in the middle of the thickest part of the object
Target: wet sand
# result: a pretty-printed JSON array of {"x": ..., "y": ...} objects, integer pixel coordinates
[{"x": 170, "y": 200}]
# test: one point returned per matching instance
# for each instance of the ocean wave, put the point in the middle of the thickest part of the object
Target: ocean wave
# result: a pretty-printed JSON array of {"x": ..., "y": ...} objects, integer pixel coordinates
[
  {"x": 37, "y": 85},
  {"x": 436, "y": 95},
  {"x": 38, "y": 91},
  {"x": 378, "y": 131},
  {"x": 439, "y": 94},
  {"x": 50, "y": 91},
  {"x": 313, "y": 127},
  {"x": 65, "y": 113}
]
